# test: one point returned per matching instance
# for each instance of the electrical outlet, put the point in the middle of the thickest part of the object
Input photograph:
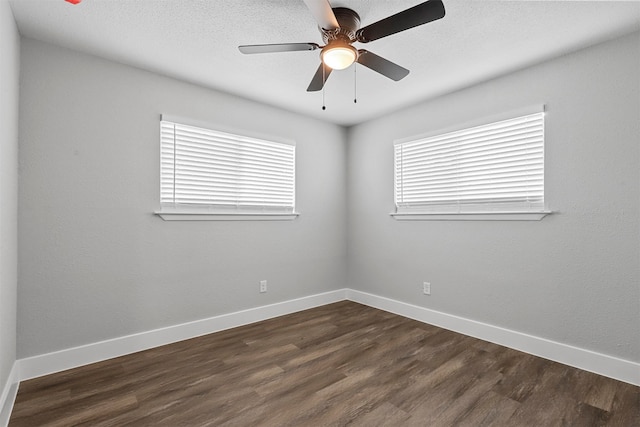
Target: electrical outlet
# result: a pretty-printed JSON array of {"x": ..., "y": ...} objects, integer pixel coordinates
[
  {"x": 426, "y": 288},
  {"x": 263, "y": 286}
]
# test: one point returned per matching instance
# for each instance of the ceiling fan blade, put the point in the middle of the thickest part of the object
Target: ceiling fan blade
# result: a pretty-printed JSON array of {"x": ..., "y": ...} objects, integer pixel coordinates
[
  {"x": 381, "y": 65},
  {"x": 323, "y": 14},
  {"x": 317, "y": 83},
  {"x": 412, "y": 17},
  {"x": 278, "y": 47}
]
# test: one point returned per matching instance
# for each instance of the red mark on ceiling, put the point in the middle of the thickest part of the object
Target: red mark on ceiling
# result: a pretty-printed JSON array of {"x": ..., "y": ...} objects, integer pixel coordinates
[{"x": 74, "y": 1}]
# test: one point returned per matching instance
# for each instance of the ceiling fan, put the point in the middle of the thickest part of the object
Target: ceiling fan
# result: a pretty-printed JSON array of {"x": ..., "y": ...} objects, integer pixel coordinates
[{"x": 340, "y": 28}]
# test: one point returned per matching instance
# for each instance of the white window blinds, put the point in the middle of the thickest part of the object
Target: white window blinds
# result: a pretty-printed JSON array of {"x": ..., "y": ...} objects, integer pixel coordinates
[
  {"x": 498, "y": 167},
  {"x": 203, "y": 168}
]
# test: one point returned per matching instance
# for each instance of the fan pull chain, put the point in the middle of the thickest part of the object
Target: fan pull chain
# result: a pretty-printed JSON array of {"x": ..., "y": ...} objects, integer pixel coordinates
[
  {"x": 355, "y": 84},
  {"x": 323, "y": 82}
]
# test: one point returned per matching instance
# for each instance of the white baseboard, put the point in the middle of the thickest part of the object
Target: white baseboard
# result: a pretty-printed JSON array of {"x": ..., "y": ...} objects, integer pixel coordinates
[
  {"x": 587, "y": 360},
  {"x": 36, "y": 366},
  {"x": 8, "y": 396}
]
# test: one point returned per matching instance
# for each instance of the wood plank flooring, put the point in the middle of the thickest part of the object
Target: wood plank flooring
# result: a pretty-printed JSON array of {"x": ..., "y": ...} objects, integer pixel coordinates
[{"x": 336, "y": 365}]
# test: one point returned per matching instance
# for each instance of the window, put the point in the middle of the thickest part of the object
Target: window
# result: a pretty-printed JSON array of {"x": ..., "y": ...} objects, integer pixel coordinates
[
  {"x": 494, "y": 170},
  {"x": 208, "y": 174}
]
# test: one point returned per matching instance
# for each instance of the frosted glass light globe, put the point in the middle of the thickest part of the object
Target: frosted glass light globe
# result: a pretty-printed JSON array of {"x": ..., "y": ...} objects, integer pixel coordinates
[{"x": 340, "y": 57}]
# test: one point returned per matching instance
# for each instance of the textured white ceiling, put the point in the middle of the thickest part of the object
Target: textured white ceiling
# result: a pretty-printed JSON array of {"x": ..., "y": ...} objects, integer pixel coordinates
[{"x": 196, "y": 41}]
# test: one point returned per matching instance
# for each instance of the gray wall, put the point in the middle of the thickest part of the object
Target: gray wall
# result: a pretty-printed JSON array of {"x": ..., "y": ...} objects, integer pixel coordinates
[
  {"x": 95, "y": 263},
  {"x": 9, "y": 83},
  {"x": 574, "y": 276}
]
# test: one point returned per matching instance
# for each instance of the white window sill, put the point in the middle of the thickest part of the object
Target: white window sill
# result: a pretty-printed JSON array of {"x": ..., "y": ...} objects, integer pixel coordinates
[
  {"x": 208, "y": 216},
  {"x": 472, "y": 216}
]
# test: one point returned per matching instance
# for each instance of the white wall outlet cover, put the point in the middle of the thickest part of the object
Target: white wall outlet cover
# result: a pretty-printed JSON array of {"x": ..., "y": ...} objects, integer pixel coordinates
[{"x": 426, "y": 288}]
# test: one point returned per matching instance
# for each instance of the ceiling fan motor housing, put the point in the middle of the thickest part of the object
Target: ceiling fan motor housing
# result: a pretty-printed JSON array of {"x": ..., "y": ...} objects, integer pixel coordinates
[{"x": 349, "y": 22}]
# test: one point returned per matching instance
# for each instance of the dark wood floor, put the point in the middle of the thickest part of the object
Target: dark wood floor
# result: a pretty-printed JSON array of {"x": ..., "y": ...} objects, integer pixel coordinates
[{"x": 341, "y": 364}]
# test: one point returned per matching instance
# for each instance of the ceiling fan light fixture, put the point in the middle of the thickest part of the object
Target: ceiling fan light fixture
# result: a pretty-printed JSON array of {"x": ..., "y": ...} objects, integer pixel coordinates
[{"x": 339, "y": 56}]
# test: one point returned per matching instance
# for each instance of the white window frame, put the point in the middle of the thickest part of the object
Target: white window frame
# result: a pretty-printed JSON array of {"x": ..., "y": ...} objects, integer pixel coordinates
[
  {"x": 420, "y": 207},
  {"x": 244, "y": 191}
]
